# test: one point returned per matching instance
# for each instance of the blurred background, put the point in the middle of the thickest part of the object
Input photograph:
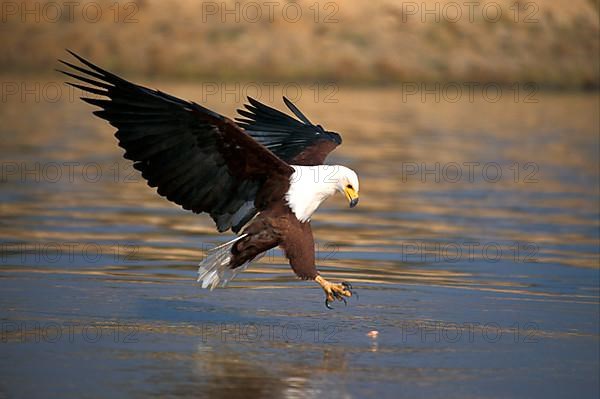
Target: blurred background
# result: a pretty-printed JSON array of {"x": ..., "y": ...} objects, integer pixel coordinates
[
  {"x": 473, "y": 125},
  {"x": 554, "y": 43}
]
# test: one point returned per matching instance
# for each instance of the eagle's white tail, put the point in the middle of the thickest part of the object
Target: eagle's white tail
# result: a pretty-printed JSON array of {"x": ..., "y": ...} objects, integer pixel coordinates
[{"x": 214, "y": 269}]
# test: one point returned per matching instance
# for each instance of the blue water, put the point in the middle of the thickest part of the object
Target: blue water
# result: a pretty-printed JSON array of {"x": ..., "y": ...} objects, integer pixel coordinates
[{"x": 477, "y": 288}]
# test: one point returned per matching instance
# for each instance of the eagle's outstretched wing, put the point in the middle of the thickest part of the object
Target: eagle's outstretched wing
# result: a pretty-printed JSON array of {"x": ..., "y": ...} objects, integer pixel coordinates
[
  {"x": 297, "y": 142},
  {"x": 195, "y": 157}
]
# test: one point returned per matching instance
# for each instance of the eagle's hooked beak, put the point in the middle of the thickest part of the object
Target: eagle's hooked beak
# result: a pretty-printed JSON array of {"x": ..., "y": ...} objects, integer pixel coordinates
[{"x": 352, "y": 196}]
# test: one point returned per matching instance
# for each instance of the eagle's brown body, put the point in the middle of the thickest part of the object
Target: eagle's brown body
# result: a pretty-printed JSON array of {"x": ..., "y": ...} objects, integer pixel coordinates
[{"x": 278, "y": 226}]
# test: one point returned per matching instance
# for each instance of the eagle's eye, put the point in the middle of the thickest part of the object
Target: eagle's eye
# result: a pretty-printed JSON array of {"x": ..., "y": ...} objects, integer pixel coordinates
[{"x": 349, "y": 186}]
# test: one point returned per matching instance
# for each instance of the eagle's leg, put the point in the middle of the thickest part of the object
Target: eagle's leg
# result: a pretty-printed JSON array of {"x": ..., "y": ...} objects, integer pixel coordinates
[{"x": 334, "y": 291}]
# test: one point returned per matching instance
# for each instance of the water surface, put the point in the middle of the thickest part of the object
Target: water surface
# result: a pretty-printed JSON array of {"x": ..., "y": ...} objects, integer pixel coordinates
[{"x": 474, "y": 250}]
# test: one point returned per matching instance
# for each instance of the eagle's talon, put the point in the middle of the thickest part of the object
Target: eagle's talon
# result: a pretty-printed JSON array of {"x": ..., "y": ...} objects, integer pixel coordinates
[
  {"x": 327, "y": 304},
  {"x": 348, "y": 287},
  {"x": 338, "y": 296},
  {"x": 335, "y": 291}
]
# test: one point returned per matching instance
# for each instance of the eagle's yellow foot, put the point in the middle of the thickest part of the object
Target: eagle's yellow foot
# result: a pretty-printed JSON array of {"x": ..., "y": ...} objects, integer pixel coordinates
[{"x": 334, "y": 291}]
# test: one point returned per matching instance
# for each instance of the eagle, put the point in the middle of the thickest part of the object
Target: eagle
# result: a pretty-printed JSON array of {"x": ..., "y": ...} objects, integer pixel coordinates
[{"x": 261, "y": 176}]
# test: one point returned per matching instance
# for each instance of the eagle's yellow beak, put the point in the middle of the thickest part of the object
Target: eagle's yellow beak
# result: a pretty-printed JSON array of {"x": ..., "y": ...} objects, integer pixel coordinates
[{"x": 352, "y": 196}]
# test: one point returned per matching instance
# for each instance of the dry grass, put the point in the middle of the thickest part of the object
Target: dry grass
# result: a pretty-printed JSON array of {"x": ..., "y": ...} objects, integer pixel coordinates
[{"x": 363, "y": 42}]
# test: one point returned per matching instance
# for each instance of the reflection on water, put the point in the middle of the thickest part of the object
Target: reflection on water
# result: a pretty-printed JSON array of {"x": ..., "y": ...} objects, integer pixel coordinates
[{"x": 471, "y": 212}]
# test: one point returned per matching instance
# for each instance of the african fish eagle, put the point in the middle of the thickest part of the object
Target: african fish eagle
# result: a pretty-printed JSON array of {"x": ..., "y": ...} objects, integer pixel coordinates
[{"x": 262, "y": 175}]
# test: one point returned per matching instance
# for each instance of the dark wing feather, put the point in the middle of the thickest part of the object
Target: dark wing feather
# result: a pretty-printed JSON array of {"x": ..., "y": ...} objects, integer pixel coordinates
[
  {"x": 297, "y": 142},
  {"x": 192, "y": 155}
]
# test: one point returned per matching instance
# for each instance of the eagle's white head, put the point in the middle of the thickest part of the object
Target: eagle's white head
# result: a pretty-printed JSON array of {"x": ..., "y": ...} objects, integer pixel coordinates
[{"x": 311, "y": 185}]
